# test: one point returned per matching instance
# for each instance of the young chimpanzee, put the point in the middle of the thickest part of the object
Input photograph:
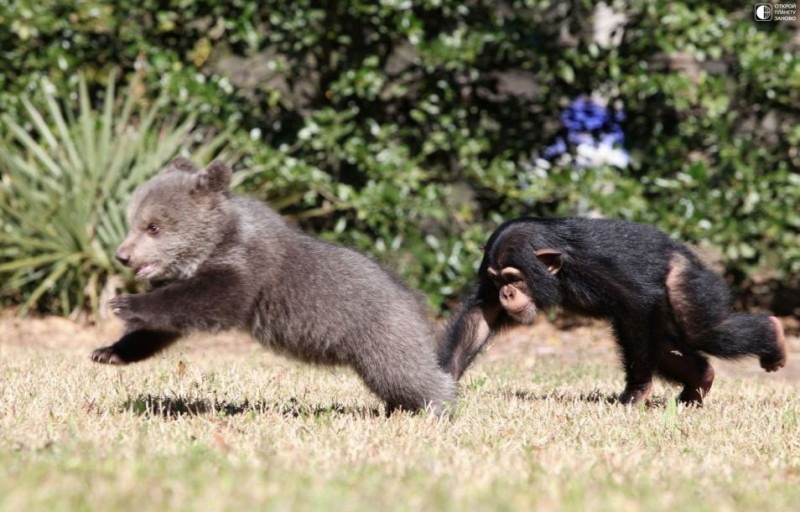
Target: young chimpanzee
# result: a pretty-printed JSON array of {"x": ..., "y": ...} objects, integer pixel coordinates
[{"x": 665, "y": 306}]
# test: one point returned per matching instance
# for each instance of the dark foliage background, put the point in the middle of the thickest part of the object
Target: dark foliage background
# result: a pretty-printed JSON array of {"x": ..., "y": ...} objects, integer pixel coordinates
[{"x": 410, "y": 129}]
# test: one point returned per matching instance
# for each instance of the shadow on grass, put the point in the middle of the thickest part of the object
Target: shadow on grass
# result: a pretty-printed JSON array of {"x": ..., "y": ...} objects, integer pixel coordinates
[
  {"x": 175, "y": 407},
  {"x": 595, "y": 396}
]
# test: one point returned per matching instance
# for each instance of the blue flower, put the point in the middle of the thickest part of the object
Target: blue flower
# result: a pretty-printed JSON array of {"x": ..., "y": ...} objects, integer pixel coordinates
[
  {"x": 590, "y": 131},
  {"x": 557, "y": 148},
  {"x": 577, "y": 138},
  {"x": 584, "y": 115},
  {"x": 613, "y": 137}
]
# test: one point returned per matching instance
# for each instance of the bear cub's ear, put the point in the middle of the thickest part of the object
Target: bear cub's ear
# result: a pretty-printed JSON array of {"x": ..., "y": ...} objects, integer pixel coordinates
[
  {"x": 181, "y": 164},
  {"x": 214, "y": 179}
]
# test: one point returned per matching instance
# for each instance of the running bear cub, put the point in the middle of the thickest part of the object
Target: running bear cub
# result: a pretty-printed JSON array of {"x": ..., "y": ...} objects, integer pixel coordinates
[{"x": 220, "y": 261}]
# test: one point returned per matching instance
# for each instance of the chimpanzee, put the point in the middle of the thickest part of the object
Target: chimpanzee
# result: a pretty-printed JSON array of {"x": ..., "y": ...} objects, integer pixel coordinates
[{"x": 665, "y": 306}]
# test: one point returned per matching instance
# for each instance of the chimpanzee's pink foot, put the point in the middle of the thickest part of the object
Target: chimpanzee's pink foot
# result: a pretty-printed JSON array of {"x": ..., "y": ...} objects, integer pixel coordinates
[
  {"x": 777, "y": 361},
  {"x": 635, "y": 393},
  {"x": 695, "y": 393}
]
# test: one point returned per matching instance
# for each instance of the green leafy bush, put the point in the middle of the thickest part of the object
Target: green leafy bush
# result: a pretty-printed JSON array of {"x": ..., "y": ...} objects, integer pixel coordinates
[
  {"x": 407, "y": 129},
  {"x": 66, "y": 179}
]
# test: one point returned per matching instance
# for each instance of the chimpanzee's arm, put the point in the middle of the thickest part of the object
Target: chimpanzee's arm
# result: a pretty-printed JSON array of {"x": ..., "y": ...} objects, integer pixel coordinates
[
  {"x": 210, "y": 300},
  {"x": 468, "y": 333}
]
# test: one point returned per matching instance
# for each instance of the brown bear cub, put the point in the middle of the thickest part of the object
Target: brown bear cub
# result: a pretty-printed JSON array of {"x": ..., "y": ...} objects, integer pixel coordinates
[{"x": 220, "y": 261}]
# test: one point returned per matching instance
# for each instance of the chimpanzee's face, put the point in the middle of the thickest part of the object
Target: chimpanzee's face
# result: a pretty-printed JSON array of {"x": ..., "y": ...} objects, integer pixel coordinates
[
  {"x": 512, "y": 269},
  {"x": 515, "y": 296}
]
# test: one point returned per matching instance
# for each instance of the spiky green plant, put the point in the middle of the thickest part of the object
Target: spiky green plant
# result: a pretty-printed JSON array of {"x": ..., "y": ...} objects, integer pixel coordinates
[{"x": 66, "y": 173}]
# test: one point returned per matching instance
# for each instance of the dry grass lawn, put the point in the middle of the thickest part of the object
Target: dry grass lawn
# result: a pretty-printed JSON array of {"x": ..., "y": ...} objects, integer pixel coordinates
[{"x": 218, "y": 424}]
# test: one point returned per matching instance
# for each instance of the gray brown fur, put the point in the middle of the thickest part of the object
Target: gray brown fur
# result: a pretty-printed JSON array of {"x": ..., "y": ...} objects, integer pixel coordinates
[{"x": 221, "y": 261}]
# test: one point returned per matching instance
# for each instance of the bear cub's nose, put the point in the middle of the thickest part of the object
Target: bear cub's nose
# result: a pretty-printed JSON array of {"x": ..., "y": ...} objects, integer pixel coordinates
[{"x": 123, "y": 258}]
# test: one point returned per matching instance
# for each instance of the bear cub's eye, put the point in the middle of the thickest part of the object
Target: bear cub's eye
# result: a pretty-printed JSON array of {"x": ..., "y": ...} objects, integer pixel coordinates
[{"x": 153, "y": 228}]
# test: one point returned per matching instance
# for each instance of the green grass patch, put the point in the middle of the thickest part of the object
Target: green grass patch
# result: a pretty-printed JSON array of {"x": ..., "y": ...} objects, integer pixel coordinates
[{"x": 244, "y": 430}]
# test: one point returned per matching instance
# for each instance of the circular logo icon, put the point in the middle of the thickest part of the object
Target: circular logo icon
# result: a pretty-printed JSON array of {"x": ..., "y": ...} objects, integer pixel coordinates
[{"x": 763, "y": 12}]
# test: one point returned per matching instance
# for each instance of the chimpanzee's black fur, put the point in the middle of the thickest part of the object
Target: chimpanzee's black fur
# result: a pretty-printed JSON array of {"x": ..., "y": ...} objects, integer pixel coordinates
[{"x": 664, "y": 305}]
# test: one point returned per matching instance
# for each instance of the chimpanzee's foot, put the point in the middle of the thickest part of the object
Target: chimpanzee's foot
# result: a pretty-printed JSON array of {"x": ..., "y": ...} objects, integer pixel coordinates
[
  {"x": 777, "y": 360},
  {"x": 635, "y": 393},
  {"x": 694, "y": 393}
]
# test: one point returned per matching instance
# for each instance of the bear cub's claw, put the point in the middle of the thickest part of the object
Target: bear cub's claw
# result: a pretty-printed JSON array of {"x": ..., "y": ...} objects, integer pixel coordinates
[
  {"x": 121, "y": 306},
  {"x": 106, "y": 355}
]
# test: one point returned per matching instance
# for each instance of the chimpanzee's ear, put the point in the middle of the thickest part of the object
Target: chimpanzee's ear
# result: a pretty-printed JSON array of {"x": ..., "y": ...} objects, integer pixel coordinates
[
  {"x": 552, "y": 259},
  {"x": 214, "y": 179},
  {"x": 181, "y": 164}
]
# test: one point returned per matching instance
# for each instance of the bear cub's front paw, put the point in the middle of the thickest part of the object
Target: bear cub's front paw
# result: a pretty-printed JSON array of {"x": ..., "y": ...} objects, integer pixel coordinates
[
  {"x": 122, "y": 306},
  {"x": 107, "y": 355}
]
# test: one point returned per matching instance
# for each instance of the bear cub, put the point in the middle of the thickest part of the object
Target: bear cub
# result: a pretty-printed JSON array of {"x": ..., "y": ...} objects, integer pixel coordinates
[{"x": 221, "y": 261}]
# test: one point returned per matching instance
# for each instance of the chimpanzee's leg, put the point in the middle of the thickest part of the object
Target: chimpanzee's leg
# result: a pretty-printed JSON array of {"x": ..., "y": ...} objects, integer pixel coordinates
[
  {"x": 633, "y": 338},
  {"x": 701, "y": 304},
  {"x": 744, "y": 334},
  {"x": 677, "y": 362}
]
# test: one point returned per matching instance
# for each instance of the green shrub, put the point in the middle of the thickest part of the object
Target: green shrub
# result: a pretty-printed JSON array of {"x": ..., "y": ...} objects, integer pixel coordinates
[
  {"x": 66, "y": 176},
  {"x": 407, "y": 129}
]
